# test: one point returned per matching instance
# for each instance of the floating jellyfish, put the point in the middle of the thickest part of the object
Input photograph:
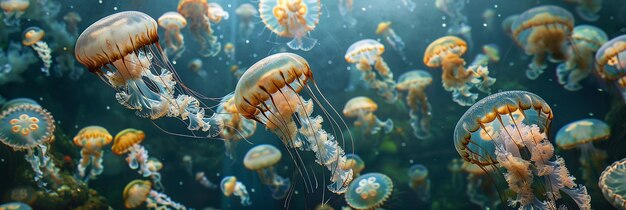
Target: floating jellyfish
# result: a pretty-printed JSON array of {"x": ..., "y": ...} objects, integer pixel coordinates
[
  {"x": 188, "y": 164},
  {"x": 173, "y": 22},
  {"x": 414, "y": 83},
  {"x": 612, "y": 184},
  {"x": 292, "y": 19},
  {"x": 610, "y": 62},
  {"x": 369, "y": 191},
  {"x": 154, "y": 166},
  {"x": 230, "y": 186},
  {"x": 542, "y": 31},
  {"x": 128, "y": 142},
  {"x": 237, "y": 70},
  {"x": 15, "y": 206},
  {"x": 455, "y": 167},
  {"x": 488, "y": 15},
  {"x": 236, "y": 127},
  {"x": 446, "y": 53},
  {"x": 195, "y": 65},
  {"x": 33, "y": 37},
  {"x": 72, "y": 19},
  {"x": 588, "y": 9},
  {"x": 138, "y": 69},
  {"x": 586, "y": 40},
  {"x": 204, "y": 181},
  {"x": 481, "y": 189},
  {"x": 229, "y": 50},
  {"x": 217, "y": 13},
  {"x": 419, "y": 181},
  {"x": 492, "y": 51},
  {"x": 91, "y": 139},
  {"x": 345, "y": 8},
  {"x": 389, "y": 35},
  {"x": 367, "y": 53},
  {"x": 139, "y": 191},
  {"x": 354, "y": 162},
  {"x": 246, "y": 12},
  {"x": 363, "y": 109},
  {"x": 497, "y": 130},
  {"x": 581, "y": 134},
  {"x": 198, "y": 14},
  {"x": 268, "y": 93},
  {"x": 13, "y": 10},
  {"x": 262, "y": 159}
]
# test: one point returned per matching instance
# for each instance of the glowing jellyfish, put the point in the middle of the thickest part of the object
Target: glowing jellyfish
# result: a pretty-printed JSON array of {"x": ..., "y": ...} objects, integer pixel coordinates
[
  {"x": 13, "y": 10},
  {"x": 173, "y": 22},
  {"x": 498, "y": 129},
  {"x": 492, "y": 51},
  {"x": 389, "y": 35},
  {"x": 91, "y": 139},
  {"x": 543, "y": 31},
  {"x": 611, "y": 62},
  {"x": 369, "y": 191},
  {"x": 197, "y": 13},
  {"x": 365, "y": 54},
  {"x": 586, "y": 40},
  {"x": 195, "y": 65},
  {"x": 268, "y": 93},
  {"x": 612, "y": 184},
  {"x": 292, "y": 19},
  {"x": 455, "y": 167},
  {"x": 33, "y": 37},
  {"x": 446, "y": 53},
  {"x": 72, "y": 19},
  {"x": 188, "y": 164},
  {"x": 363, "y": 109},
  {"x": 262, "y": 159},
  {"x": 204, "y": 181},
  {"x": 246, "y": 12},
  {"x": 139, "y": 191},
  {"x": 414, "y": 83},
  {"x": 217, "y": 13},
  {"x": 236, "y": 127},
  {"x": 581, "y": 134},
  {"x": 419, "y": 181},
  {"x": 128, "y": 142},
  {"x": 345, "y": 8},
  {"x": 354, "y": 162},
  {"x": 230, "y": 186},
  {"x": 588, "y": 9},
  {"x": 229, "y": 50},
  {"x": 15, "y": 206},
  {"x": 481, "y": 189},
  {"x": 138, "y": 69}
]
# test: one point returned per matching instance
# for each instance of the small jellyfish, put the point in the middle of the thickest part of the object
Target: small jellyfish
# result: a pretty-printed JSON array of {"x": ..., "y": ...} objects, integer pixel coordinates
[
  {"x": 369, "y": 191},
  {"x": 588, "y": 9},
  {"x": 481, "y": 189},
  {"x": 217, "y": 13},
  {"x": 365, "y": 54},
  {"x": 154, "y": 166},
  {"x": 586, "y": 40},
  {"x": 612, "y": 184},
  {"x": 543, "y": 31},
  {"x": 488, "y": 16},
  {"x": 419, "y": 181},
  {"x": 345, "y": 8},
  {"x": 363, "y": 109},
  {"x": 262, "y": 159},
  {"x": 230, "y": 186},
  {"x": 128, "y": 142},
  {"x": 236, "y": 127},
  {"x": 33, "y": 37},
  {"x": 204, "y": 181},
  {"x": 195, "y": 65},
  {"x": 173, "y": 22},
  {"x": 72, "y": 19},
  {"x": 492, "y": 51},
  {"x": 446, "y": 53},
  {"x": 389, "y": 35},
  {"x": 354, "y": 162},
  {"x": 246, "y": 12},
  {"x": 292, "y": 19},
  {"x": 91, "y": 139},
  {"x": 414, "y": 83},
  {"x": 188, "y": 164},
  {"x": 13, "y": 10},
  {"x": 237, "y": 71},
  {"x": 139, "y": 191},
  {"x": 229, "y": 50},
  {"x": 15, "y": 206},
  {"x": 455, "y": 167},
  {"x": 198, "y": 14},
  {"x": 611, "y": 63}
]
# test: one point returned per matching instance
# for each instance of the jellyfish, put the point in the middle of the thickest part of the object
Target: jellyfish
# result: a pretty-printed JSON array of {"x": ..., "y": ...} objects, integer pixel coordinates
[
  {"x": 173, "y": 22},
  {"x": 363, "y": 109},
  {"x": 419, "y": 181},
  {"x": 188, "y": 164},
  {"x": 365, "y": 54},
  {"x": 389, "y": 35},
  {"x": 15, "y": 206},
  {"x": 217, "y": 13},
  {"x": 229, "y": 50},
  {"x": 354, "y": 162},
  {"x": 369, "y": 191},
  {"x": 292, "y": 19},
  {"x": 237, "y": 70},
  {"x": 542, "y": 31},
  {"x": 195, "y": 65},
  {"x": 588, "y": 9},
  {"x": 72, "y": 19},
  {"x": 138, "y": 69},
  {"x": 204, "y": 181},
  {"x": 409, "y": 4},
  {"x": 586, "y": 40},
  {"x": 246, "y": 12},
  {"x": 507, "y": 132},
  {"x": 13, "y": 10},
  {"x": 91, "y": 139},
  {"x": 581, "y": 134},
  {"x": 488, "y": 15},
  {"x": 268, "y": 93},
  {"x": 446, "y": 53},
  {"x": 610, "y": 63},
  {"x": 455, "y": 167},
  {"x": 345, "y": 8},
  {"x": 492, "y": 51},
  {"x": 262, "y": 159},
  {"x": 481, "y": 189},
  {"x": 128, "y": 142},
  {"x": 414, "y": 83},
  {"x": 612, "y": 184},
  {"x": 32, "y": 37},
  {"x": 198, "y": 14},
  {"x": 236, "y": 127},
  {"x": 140, "y": 191},
  {"x": 230, "y": 186},
  {"x": 154, "y": 166}
]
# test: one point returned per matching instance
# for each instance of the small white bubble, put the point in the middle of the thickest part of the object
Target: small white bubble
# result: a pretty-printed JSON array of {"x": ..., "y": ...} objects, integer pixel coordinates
[
  {"x": 443, "y": 17},
  {"x": 443, "y": 25},
  {"x": 590, "y": 114},
  {"x": 75, "y": 126},
  {"x": 2, "y": 160},
  {"x": 115, "y": 8},
  {"x": 108, "y": 108},
  {"x": 217, "y": 174},
  {"x": 363, "y": 9},
  {"x": 511, "y": 64},
  {"x": 485, "y": 24},
  {"x": 254, "y": 55},
  {"x": 100, "y": 1},
  {"x": 403, "y": 144},
  {"x": 252, "y": 190},
  {"x": 495, "y": 6},
  {"x": 247, "y": 41},
  {"x": 600, "y": 90},
  {"x": 180, "y": 183},
  {"x": 330, "y": 62},
  {"x": 173, "y": 62},
  {"x": 229, "y": 5},
  {"x": 296, "y": 192},
  {"x": 411, "y": 161}
]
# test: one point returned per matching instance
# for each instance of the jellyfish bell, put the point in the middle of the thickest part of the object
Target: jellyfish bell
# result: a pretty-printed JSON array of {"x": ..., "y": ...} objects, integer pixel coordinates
[
  {"x": 33, "y": 37},
  {"x": 610, "y": 63},
  {"x": 198, "y": 14},
  {"x": 13, "y": 10},
  {"x": 15, "y": 206},
  {"x": 363, "y": 109},
  {"x": 246, "y": 12},
  {"x": 612, "y": 184},
  {"x": 369, "y": 191},
  {"x": 292, "y": 19},
  {"x": 173, "y": 22},
  {"x": 414, "y": 83},
  {"x": 136, "y": 192}
]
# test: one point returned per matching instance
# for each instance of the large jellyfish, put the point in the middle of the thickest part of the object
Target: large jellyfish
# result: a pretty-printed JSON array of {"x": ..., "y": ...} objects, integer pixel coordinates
[
  {"x": 13, "y": 10},
  {"x": 509, "y": 130},
  {"x": 446, "y": 53},
  {"x": 355, "y": 163},
  {"x": 419, "y": 181},
  {"x": 262, "y": 159},
  {"x": 140, "y": 191},
  {"x": 91, "y": 139},
  {"x": 198, "y": 14},
  {"x": 389, "y": 35},
  {"x": 369, "y": 191},
  {"x": 292, "y": 19},
  {"x": 367, "y": 53},
  {"x": 588, "y": 9},
  {"x": 586, "y": 40},
  {"x": 230, "y": 186},
  {"x": 363, "y": 109},
  {"x": 611, "y": 62},
  {"x": 123, "y": 50},
  {"x": 236, "y": 127},
  {"x": 481, "y": 189},
  {"x": 173, "y": 22},
  {"x": 612, "y": 184},
  {"x": 246, "y": 12},
  {"x": 268, "y": 93},
  {"x": 345, "y": 8},
  {"x": 128, "y": 142},
  {"x": 543, "y": 31},
  {"x": 414, "y": 83},
  {"x": 33, "y": 37}
]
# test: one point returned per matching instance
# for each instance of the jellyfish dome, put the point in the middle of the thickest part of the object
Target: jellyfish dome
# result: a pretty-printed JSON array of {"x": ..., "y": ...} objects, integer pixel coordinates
[
  {"x": 414, "y": 83},
  {"x": 199, "y": 15},
  {"x": 582, "y": 132},
  {"x": 610, "y": 62},
  {"x": 355, "y": 162},
  {"x": 125, "y": 139},
  {"x": 15, "y": 206},
  {"x": 292, "y": 19},
  {"x": 586, "y": 40},
  {"x": 262, "y": 159},
  {"x": 136, "y": 192},
  {"x": 363, "y": 109},
  {"x": 369, "y": 191},
  {"x": 612, "y": 184},
  {"x": 13, "y": 10},
  {"x": 33, "y": 37}
]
